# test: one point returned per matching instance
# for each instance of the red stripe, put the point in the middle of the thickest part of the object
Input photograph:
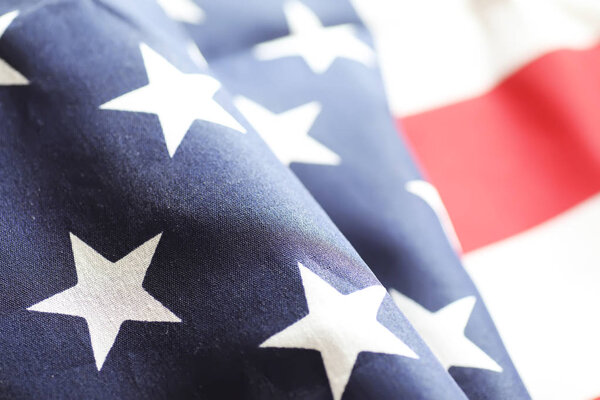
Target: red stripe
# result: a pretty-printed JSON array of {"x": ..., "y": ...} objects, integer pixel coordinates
[{"x": 520, "y": 154}]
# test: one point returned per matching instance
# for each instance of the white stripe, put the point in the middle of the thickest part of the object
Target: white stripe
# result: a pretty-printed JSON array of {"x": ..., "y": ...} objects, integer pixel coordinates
[
  {"x": 542, "y": 288},
  {"x": 438, "y": 52}
]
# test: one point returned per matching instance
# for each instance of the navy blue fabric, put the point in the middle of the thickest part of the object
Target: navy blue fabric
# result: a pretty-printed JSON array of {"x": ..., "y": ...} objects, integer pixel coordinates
[
  {"x": 395, "y": 232},
  {"x": 234, "y": 224}
]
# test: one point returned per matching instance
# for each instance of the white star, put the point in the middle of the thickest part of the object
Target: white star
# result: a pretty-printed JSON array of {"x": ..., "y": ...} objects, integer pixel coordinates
[
  {"x": 287, "y": 133},
  {"x": 340, "y": 327},
  {"x": 431, "y": 196},
  {"x": 8, "y": 75},
  {"x": 177, "y": 98},
  {"x": 318, "y": 45},
  {"x": 443, "y": 331},
  {"x": 196, "y": 55},
  {"x": 182, "y": 10},
  {"x": 107, "y": 294}
]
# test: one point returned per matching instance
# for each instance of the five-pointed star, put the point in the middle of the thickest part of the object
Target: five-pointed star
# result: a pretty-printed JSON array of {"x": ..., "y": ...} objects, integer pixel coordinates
[
  {"x": 182, "y": 10},
  {"x": 107, "y": 294},
  {"x": 8, "y": 75},
  {"x": 443, "y": 331},
  {"x": 340, "y": 327},
  {"x": 177, "y": 98},
  {"x": 317, "y": 44},
  {"x": 287, "y": 133},
  {"x": 431, "y": 196}
]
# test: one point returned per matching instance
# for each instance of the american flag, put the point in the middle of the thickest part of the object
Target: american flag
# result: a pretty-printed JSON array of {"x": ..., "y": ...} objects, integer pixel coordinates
[{"x": 239, "y": 199}]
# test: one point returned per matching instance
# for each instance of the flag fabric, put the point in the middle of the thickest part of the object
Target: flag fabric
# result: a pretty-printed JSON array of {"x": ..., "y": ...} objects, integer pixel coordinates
[
  {"x": 361, "y": 173},
  {"x": 499, "y": 102},
  {"x": 212, "y": 200}
]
